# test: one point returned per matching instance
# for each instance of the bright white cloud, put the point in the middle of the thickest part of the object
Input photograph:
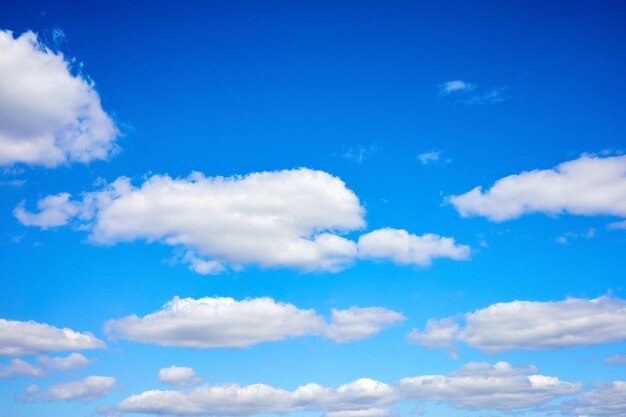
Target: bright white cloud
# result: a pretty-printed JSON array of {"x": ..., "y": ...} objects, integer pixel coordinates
[
  {"x": 587, "y": 186},
  {"x": 605, "y": 400},
  {"x": 290, "y": 218},
  {"x": 531, "y": 325},
  {"x": 404, "y": 248},
  {"x": 18, "y": 367},
  {"x": 236, "y": 400},
  {"x": 88, "y": 389},
  {"x": 437, "y": 334},
  {"x": 47, "y": 115},
  {"x": 65, "y": 363},
  {"x": 491, "y": 387},
  {"x": 30, "y": 338},
  {"x": 455, "y": 86},
  {"x": 178, "y": 376},
  {"x": 213, "y": 322},
  {"x": 54, "y": 210}
]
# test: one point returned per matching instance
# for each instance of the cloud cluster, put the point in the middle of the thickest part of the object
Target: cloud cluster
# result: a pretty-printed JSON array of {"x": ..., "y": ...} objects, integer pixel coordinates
[
  {"x": 291, "y": 218},
  {"x": 590, "y": 185},
  {"x": 18, "y": 367},
  {"x": 606, "y": 400},
  {"x": 48, "y": 116},
  {"x": 531, "y": 325},
  {"x": 178, "y": 376},
  {"x": 31, "y": 338},
  {"x": 212, "y": 322},
  {"x": 88, "y": 389},
  {"x": 477, "y": 385}
]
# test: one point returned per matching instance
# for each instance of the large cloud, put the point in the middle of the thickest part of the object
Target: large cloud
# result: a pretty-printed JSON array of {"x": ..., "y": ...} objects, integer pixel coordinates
[
  {"x": 88, "y": 389},
  {"x": 291, "y": 218},
  {"x": 484, "y": 386},
  {"x": 225, "y": 322},
  {"x": 48, "y": 116},
  {"x": 29, "y": 338},
  {"x": 606, "y": 400},
  {"x": 236, "y": 400},
  {"x": 532, "y": 325},
  {"x": 588, "y": 186}
]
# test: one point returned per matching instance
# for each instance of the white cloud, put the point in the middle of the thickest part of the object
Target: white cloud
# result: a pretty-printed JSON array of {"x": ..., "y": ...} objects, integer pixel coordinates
[
  {"x": 18, "y": 367},
  {"x": 88, "y": 389},
  {"x": 225, "y": 322},
  {"x": 236, "y": 400},
  {"x": 605, "y": 400},
  {"x": 531, "y": 325},
  {"x": 360, "y": 153},
  {"x": 178, "y": 376},
  {"x": 47, "y": 115},
  {"x": 437, "y": 334},
  {"x": 621, "y": 225},
  {"x": 368, "y": 412},
  {"x": 290, "y": 218},
  {"x": 65, "y": 363},
  {"x": 30, "y": 338},
  {"x": 616, "y": 360},
  {"x": 455, "y": 86},
  {"x": 429, "y": 157},
  {"x": 587, "y": 186},
  {"x": 54, "y": 210},
  {"x": 404, "y": 248},
  {"x": 484, "y": 386}
]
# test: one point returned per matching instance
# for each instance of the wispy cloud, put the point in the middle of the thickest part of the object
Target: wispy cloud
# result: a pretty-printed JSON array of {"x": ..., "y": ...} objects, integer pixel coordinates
[
  {"x": 455, "y": 86},
  {"x": 432, "y": 157},
  {"x": 470, "y": 93},
  {"x": 360, "y": 153}
]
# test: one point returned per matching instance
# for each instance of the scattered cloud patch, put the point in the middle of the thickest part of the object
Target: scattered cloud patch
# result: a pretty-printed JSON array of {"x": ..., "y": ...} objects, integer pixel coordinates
[
  {"x": 48, "y": 116},
  {"x": 492, "y": 387},
  {"x": 567, "y": 236},
  {"x": 431, "y": 157},
  {"x": 404, "y": 248},
  {"x": 31, "y": 338},
  {"x": 65, "y": 363},
  {"x": 532, "y": 325},
  {"x": 455, "y": 86},
  {"x": 616, "y": 360},
  {"x": 214, "y": 322},
  {"x": 470, "y": 93},
  {"x": 18, "y": 367},
  {"x": 85, "y": 390},
  {"x": 621, "y": 225},
  {"x": 360, "y": 153},
  {"x": 586, "y": 186},
  {"x": 178, "y": 376},
  {"x": 605, "y": 400}
]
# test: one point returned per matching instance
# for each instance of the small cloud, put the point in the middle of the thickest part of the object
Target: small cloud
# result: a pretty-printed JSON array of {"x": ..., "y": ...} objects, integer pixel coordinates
[
  {"x": 588, "y": 234},
  {"x": 429, "y": 157},
  {"x": 455, "y": 86},
  {"x": 360, "y": 153},
  {"x": 58, "y": 37},
  {"x": 489, "y": 97},
  {"x": 616, "y": 360},
  {"x": 621, "y": 225}
]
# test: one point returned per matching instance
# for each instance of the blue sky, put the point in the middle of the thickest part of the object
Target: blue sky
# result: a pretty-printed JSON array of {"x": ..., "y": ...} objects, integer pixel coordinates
[{"x": 284, "y": 193}]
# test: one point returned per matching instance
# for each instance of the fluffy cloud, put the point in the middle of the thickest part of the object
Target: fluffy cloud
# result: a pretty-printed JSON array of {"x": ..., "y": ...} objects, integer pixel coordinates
[
  {"x": 18, "y": 367},
  {"x": 273, "y": 219},
  {"x": 88, "y": 389},
  {"x": 605, "y": 400},
  {"x": 531, "y": 325},
  {"x": 587, "y": 186},
  {"x": 65, "y": 363},
  {"x": 47, "y": 115},
  {"x": 404, "y": 248},
  {"x": 484, "y": 386},
  {"x": 178, "y": 376},
  {"x": 30, "y": 338},
  {"x": 236, "y": 400},
  {"x": 292, "y": 218},
  {"x": 437, "y": 334},
  {"x": 225, "y": 322}
]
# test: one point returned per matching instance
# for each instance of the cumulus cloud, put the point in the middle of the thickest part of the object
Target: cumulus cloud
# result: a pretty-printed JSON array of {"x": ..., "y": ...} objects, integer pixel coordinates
[
  {"x": 605, "y": 400},
  {"x": 590, "y": 185},
  {"x": 178, "y": 376},
  {"x": 29, "y": 338},
  {"x": 88, "y": 389},
  {"x": 18, "y": 367},
  {"x": 236, "y": 400},
  {"x": 48, "y": 116},
  {"x": 212, "y": 322},
  {"x": 492, "y": 387},
  {"x": 65, "y": 363},
  {"x": 401, "y": 247},
  {"x": 531, "y": 325},
  {"x": 292, "y": 218}
]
